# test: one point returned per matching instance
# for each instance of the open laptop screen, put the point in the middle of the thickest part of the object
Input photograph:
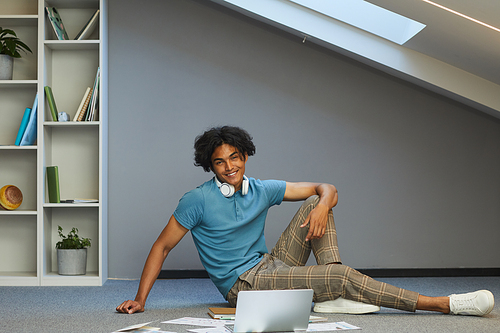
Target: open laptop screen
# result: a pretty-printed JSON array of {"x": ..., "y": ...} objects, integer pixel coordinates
[{"x": 273, "y": 310}]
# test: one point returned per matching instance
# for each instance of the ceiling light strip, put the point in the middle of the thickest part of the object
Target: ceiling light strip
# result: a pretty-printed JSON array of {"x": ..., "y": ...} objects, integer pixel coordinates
[{"x": 461, "y": 15}]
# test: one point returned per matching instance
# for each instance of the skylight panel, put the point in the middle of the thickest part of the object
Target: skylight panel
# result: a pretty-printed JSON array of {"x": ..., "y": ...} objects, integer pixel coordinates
[{"x": 368, "y": 17}]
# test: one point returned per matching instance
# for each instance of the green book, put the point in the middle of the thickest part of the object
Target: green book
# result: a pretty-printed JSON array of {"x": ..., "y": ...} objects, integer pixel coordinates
[
  {"x": 52, "y": 102},
  {"x": 53, "y": 184}
]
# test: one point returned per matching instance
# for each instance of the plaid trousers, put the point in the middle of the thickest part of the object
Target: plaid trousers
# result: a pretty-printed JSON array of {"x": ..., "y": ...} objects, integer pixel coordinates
[{"x": 284, "y": 268}]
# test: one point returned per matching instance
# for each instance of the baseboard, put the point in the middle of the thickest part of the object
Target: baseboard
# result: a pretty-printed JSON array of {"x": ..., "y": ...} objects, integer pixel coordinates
[
  {"x": 183, "y": 274},
  {"x": 430, "y": 272},
  {"x": 373, "y": 272}
]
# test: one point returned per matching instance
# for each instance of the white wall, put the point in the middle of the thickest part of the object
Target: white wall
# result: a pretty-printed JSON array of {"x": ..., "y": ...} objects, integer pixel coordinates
[{"x": 417, "y": 173}]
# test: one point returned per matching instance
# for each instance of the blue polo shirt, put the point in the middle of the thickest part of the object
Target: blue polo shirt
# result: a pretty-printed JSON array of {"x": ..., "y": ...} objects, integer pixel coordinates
[{"x": 229, "y": 232}]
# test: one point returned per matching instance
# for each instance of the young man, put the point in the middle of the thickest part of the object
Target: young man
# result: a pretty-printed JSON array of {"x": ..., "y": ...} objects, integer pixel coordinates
[{"x": 226, "y": 217}]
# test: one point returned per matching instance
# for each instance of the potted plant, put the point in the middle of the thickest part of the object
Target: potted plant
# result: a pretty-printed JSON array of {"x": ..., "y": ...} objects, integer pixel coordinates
[
  {"x": 10, "y": 47},
  {"x": 72, "y": 253}
]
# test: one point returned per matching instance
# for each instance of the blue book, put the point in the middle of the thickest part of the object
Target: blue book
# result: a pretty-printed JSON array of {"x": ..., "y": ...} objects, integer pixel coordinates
[
  {"x": 29, "y": 136},
  {"x": 22, "y": 127}
]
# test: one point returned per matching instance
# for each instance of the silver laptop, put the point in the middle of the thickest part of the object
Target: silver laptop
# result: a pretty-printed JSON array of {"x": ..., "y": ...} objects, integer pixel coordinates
[{"x": 272, "y": 310}]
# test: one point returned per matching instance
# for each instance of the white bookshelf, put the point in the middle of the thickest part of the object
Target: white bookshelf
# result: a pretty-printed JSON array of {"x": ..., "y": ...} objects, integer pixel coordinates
[{"x": 28, "y": 234}]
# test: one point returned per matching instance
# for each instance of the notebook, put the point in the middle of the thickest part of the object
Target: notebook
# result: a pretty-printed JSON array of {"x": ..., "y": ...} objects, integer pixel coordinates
[{"x": 272, "y": 310}]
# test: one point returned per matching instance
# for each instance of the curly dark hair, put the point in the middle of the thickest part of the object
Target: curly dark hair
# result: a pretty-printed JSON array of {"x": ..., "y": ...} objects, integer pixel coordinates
[{"x": 206, "y": 143}]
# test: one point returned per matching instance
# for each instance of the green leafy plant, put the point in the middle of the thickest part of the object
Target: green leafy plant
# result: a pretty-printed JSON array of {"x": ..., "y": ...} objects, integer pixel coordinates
[
  {"x": 72, "y": 241},
  {"x": 11, "y": 45}
]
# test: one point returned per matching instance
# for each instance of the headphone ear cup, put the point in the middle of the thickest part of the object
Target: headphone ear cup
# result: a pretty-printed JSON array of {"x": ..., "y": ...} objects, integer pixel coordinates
[
  {"x": 244, "y": 186},
  {"x": 227, "y": 190}
]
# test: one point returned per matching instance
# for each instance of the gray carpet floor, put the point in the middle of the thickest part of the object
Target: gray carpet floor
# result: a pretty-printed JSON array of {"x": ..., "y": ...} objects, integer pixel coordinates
[{"x": 92, "y": 309}]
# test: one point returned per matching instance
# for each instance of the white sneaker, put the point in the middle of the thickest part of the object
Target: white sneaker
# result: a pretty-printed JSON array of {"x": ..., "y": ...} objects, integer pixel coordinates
[
  {"x": 478, "y": 303},
  {"x": 341, "y": 305}
]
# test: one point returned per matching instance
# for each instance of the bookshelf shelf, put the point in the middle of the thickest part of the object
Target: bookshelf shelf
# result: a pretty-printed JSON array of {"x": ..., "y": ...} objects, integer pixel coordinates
[
  {"x": 18, "y": 212},
  {"x": 79, "y": 149},
  {"x": 76, "y": 4},
  {"x": 54, "y": 279},
  {"x": 18, "y": 83},
  {"x": 72, "y": 44},
  {"x": 18, "y": 20},
  {"x": 12, "y": 147},
  {"x": 71, "y": 205},
  {"x": 19, "y": 279},
  {"x": 18, "y": 274},
  {"x": 71, "y": 123}
]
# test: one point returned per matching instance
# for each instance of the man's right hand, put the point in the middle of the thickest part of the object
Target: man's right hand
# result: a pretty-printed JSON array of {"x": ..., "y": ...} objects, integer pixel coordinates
[{"x": 130, "y": 307}]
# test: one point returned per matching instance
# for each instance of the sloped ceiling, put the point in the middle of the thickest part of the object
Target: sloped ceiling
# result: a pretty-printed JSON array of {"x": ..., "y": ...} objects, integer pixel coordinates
[
  {"x": 454, "y": 39},
  {"x": 452, "y": 56}
]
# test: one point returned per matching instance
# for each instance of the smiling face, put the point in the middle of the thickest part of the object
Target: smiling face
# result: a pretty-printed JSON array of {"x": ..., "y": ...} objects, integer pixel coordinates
[{"x": 228, "y": 164}]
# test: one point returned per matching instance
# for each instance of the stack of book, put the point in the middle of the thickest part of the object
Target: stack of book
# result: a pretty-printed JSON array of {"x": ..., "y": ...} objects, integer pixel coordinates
[
  {"x": 230, "y": 314},
  {"x": 59, "y": 29},
  {"x": 26, "y": 135},
  {"x": 222, "y": 313},
  {"x": 54, "y": 189},
  {"x": 88, "y": 109},
  {"x": 89, "y": 105}
]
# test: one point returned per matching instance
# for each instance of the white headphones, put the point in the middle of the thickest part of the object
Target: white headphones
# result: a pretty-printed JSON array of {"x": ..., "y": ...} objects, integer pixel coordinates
[{"x": 227, "y": 190}]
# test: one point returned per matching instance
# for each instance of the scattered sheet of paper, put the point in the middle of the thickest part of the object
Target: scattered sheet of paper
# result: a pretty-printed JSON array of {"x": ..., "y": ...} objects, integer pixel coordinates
[
  {"x": 218, "y": 329},
  {"x": 199, "y": 322},
  {"x": 143, "y": 328},
  {"x": 133, "y": 327},
  {"x": 316, "y": 319},
  {"x": 218, "y": 325},
  {"x": 338, "y": 326}
]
